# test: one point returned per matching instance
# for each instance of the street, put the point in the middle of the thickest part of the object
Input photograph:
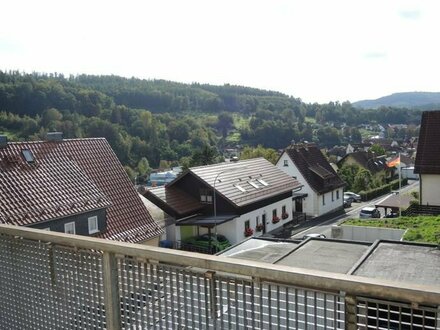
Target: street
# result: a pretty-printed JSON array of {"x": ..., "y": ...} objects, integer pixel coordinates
[{"x": 351, "y": 212}]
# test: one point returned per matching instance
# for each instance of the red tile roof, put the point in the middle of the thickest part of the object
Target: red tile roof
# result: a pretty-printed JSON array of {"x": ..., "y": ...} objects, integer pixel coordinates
[
  {"x": 315, "y": 168},
  {"x": 428, "y": 155},
  {"x": 73, "y": 171},
  {"x": 174, "y": 201}
]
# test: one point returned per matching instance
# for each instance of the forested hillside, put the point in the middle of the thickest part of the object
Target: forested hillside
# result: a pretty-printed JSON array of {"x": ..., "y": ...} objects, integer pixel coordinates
[
  {"x": 412, "y": 100},
  {"x": 171, "y": 122}
]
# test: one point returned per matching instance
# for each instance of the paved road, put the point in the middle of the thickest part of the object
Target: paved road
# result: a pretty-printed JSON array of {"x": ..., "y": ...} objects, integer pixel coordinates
[{"x": 352, "y": 212}]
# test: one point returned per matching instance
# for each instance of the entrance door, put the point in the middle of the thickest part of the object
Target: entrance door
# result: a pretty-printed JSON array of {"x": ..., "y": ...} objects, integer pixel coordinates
[{"x": 299, "y": 205}]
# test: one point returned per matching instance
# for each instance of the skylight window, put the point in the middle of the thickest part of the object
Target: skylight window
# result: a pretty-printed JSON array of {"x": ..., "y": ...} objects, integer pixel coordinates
[
  {"x": 264, "y": 183},
  {"x": 240, "y": 188},
  {"x": 27, "y": 154},
  {"x": 254, "y": 184}
]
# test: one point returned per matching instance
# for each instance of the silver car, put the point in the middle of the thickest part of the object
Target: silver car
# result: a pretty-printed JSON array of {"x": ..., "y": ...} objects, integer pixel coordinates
[
  {"x": 354, "y": 197},
  {"x": 369, "y": 212}
]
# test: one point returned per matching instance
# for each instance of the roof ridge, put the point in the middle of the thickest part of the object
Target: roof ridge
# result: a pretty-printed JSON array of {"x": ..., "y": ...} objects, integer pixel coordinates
[
  {"x": 63, "y": 140},
  {"x": 228, "y": 163}
]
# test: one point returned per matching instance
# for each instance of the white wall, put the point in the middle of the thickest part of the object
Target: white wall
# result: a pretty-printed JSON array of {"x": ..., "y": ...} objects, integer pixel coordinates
[
  {"x": 366, "y": 234},
  {"x": 312, "y": 204},
  {"x": 309, "y": 203},
  {"x": 430, "y": 189},
  {"x": 234, "y": 230},
  {"x": 331, "y": 204}
]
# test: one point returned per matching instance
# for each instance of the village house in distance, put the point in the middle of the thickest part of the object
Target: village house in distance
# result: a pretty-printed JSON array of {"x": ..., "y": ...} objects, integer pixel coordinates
[
  {"x": 323, "y": 188},
  {"x": 235, "y": 199},
  {"x": 75, "y": 186}
]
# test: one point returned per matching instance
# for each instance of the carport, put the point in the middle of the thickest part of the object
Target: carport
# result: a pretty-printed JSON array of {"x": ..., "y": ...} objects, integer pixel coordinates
[{"x": 394, "y": 203}]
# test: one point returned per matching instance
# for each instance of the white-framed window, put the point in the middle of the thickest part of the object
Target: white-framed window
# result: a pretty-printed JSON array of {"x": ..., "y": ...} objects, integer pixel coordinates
[
  {"x": 333, "y": 198},
  {"x": 93, "y": 224},
  {"x": 337, "y": 194},
  {"x": 247, "y": 224},
  {"x": 323, "y": 199},
  {"x": 206, "y": 196},
  {"x": 69, "y": 228},
  {"x": 257, "y": 220},
  {"x": 286, "y": 162}
]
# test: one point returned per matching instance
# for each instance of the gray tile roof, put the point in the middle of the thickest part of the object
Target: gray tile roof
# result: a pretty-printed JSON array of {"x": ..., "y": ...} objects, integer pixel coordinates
[{"x": 245, "y": 182}]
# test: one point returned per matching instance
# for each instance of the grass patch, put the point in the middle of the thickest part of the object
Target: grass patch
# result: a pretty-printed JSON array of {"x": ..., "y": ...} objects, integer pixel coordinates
[
  {"x": 240, "y": 121},
  {"x": 420, "y": 229},
  {"x": 233, "y": 137},
  {"x": 310, "y": 120},
  {"x": 366, "y": 133}
]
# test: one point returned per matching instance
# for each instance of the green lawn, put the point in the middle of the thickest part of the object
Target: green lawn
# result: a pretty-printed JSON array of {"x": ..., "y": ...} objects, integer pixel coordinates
[
  {"x": 420, "y": 229},
  {"x": 233, "y": 137},
  {"x": 240, "y": 121}
]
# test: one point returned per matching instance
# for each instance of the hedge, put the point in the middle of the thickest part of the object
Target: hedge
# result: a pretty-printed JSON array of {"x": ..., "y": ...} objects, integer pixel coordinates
[{"x": 382, "y": 190}]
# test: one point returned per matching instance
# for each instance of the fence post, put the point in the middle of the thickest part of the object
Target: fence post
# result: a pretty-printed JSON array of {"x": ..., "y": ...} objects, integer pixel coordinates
[
  {"x": 350, "y": 313},
  {"x": 111, "y": 291},
  {"x": 210, "y": 276}
]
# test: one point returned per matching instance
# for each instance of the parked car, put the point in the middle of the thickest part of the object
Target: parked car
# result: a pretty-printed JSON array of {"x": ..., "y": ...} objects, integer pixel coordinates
[
  {"x": 392, "y": 215},
  {"x": 206, "y": 243},
  {"x": 369, "y": 212},
  {"x": 313, "y": 235},
  {"x": 354, "y": 197},
  {"x": 347, "y": 201}
]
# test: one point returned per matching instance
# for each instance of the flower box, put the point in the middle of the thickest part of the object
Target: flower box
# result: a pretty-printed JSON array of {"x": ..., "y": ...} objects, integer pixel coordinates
[
  {"x": 259, "y": 227},
  {"x": 275, "y": 219},
  {"x": 285, "y": 216},
  {"x": 248, "y": 232}
]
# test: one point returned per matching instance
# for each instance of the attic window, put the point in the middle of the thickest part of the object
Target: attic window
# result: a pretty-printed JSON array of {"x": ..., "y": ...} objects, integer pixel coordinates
[
  {"x": 27, "y": 154},
  {"x": 264, "y": 183},
  {"x": 240, "y": 188}
]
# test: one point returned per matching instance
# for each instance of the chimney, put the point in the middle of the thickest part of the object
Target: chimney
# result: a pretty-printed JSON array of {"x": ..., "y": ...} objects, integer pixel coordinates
[
  {"x": 3, "y": 141},
  {"x": 54, "y": 136}
]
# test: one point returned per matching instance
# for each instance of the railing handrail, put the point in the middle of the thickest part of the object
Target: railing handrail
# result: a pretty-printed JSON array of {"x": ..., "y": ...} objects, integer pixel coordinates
[{"x": 313, "y": 279}]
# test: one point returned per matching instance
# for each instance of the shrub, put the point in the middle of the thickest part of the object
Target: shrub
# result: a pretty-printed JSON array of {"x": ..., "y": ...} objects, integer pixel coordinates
[{"x": 372, "y": 193}]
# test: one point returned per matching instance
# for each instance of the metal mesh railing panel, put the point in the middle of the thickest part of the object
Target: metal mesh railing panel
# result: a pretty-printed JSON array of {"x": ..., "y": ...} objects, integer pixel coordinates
[
  {"x": 156, "y": 296},
  {"x": 379, "y": 314},
  {"x": 244, "y": 304},
  {"x": 48, "y": 287}
]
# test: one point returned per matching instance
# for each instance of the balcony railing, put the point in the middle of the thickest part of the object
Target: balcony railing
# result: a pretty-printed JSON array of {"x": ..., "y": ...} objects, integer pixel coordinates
[{"x": 56, "y": 281}]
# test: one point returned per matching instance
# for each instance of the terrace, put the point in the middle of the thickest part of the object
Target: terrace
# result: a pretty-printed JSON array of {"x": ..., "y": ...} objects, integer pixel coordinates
[{"x": 53, "y": 280}]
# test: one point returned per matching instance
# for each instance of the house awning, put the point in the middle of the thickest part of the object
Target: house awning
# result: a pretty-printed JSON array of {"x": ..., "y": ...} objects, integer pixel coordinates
[
  {"x": 205, "y": 220},
  {"x": 296, "y": 196}
]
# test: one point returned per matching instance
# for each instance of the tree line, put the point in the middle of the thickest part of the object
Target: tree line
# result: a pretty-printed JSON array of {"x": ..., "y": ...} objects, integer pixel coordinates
[{"x": 171, "y": 122}]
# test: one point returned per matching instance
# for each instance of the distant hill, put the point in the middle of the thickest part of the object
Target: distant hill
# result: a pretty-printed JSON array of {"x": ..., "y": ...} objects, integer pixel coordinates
[{"x": 411, "y": 100}]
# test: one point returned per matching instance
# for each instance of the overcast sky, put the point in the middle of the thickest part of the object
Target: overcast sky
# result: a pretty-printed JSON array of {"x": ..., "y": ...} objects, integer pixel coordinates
[{"x": 319, "y": 51}]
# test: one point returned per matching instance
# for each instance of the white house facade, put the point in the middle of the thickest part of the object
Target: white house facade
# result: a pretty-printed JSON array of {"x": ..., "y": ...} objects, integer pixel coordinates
[
  {"x": 320, "y": 182},
  {"x": 252, "y": 197}
]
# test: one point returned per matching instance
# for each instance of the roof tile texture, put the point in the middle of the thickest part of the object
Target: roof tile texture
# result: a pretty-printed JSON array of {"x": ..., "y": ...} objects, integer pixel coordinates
[
  {"x": 231, "y": 176},
  {"x": 428, "y": 150},
  {"x": 84, "y": 172},
  {"x": 315, "y": 168}
]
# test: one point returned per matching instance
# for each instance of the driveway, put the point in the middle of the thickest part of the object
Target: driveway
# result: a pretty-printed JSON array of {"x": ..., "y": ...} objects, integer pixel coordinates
[{"x": 324, "y": 227}]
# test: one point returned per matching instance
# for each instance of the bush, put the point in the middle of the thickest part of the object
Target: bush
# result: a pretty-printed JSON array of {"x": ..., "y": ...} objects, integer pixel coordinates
[{"x": 376, "y": 192}]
